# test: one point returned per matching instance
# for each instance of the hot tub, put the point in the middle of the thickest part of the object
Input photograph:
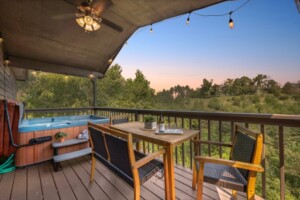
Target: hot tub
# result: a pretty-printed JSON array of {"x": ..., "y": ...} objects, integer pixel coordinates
[{"x": 41, "y": 127}]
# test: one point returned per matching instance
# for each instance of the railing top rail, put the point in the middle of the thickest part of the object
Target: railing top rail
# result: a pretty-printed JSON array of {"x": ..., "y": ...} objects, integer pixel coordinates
[{"x": 255, "y": 118}]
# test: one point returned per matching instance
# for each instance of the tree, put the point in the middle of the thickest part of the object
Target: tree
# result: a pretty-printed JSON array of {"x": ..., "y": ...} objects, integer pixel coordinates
[
  {"x": 227, "y": 87},
  {"x": 205, "y": 88},
  {"x": 110, "y": 89},
  {"x": 137, "y": 92},
  {"x": 259, "y": 82},
  {"x": 47, "y": 90},
  {"x": 272, "y": 87}
]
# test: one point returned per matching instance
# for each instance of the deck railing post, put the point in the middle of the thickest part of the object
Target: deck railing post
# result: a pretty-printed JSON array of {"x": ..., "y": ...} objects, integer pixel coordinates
[
  {"x": 137, "y": 117},
  {"x": 281, "y": 163}
]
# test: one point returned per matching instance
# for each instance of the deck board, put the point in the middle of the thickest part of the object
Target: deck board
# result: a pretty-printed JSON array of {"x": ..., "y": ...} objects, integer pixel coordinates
[
  {"x": 72, "y": 183},
  {"x": 6, "y": 185},
  {"x": 34, "y": 189},
  {"x": 48, "y": 186},
  {"x": 19, "y": 186}
]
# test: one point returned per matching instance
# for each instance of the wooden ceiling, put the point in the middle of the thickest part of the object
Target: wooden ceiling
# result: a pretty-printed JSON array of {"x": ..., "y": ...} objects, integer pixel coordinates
[{"x": 43, "y": 35}]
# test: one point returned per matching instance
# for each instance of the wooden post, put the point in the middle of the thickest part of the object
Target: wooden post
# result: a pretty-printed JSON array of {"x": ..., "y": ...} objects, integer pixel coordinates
[{"x": 94, "y": 83}]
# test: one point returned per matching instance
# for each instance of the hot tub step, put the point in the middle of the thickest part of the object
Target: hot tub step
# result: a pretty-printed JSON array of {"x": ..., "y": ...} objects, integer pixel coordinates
[
  {"x": 68, "y": 142},
  {"x": 72, "y": 155}
]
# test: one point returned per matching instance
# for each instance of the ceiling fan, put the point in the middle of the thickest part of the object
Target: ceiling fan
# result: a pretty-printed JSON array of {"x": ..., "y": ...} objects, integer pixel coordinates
[{"x": 88, "y": 15}]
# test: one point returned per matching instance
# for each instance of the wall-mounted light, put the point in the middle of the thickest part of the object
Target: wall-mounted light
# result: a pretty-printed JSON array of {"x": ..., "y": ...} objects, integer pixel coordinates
[{"x": 6, "y": 63}]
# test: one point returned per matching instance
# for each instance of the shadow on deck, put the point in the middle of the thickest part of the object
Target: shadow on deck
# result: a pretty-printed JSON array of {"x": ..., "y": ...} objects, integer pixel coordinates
[{"x": 41, "y": 182}]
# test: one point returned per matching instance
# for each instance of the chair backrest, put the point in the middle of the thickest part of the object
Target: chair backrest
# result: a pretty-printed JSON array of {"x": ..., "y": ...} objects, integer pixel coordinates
[
  {"x": 119, "y": 119},
  {"x": 247, "y": 147},
  {"x": 98, "y": 141},
  {"x": 118, "y": 150}
]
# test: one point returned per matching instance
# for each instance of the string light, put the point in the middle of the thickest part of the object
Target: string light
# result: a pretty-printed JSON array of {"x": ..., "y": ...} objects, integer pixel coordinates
[
  {"x": 110, "y": 61},
  {"x": 33, "y": 73},
  {"x": 91, "y": 76},
  {"x": 231, "y": 24},
  {"x": 151, "y": 30},
  {"x": 188, "y": 19}
]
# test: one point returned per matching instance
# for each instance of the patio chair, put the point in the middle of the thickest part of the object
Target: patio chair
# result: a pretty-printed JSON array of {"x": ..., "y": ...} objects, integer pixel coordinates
[
  {"x": 120, "y": 119},
  {"x": 131, "y": 166},
  {"x": 238, "y": 173}
]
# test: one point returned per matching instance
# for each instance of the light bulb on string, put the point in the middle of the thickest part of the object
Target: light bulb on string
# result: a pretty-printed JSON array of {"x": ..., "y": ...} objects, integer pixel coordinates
[
  {"x": 91, "y": 76},
  {"x": 151, "y": 30},
  {"x": 231, "y": 24},
  {"x": 188, "y": 19}
]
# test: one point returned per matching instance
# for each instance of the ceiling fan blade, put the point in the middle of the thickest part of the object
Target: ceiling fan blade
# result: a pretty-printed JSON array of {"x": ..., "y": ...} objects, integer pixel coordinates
[
  {"x": 112, "y": 25},
  {"x": 63, "y": 16}
]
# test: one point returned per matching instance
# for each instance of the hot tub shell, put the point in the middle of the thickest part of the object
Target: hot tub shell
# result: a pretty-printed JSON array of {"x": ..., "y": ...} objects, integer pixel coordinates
[{"x": 40, "y": 127}]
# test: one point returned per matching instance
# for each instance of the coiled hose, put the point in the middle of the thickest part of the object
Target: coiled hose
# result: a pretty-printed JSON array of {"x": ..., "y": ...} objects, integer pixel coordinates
[{"x": 8, "y": 165}]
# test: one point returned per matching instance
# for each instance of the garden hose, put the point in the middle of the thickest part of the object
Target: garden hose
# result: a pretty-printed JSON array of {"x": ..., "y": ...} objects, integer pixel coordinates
[{"x": 8, "y": 165}]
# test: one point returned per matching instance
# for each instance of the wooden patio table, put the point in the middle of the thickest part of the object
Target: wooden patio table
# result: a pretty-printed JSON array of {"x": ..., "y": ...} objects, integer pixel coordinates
[{"x": 169, "y": 141}]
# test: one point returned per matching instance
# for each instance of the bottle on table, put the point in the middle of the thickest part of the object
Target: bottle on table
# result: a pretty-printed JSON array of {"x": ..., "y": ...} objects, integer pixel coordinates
[{"x": 161, "y": 123}]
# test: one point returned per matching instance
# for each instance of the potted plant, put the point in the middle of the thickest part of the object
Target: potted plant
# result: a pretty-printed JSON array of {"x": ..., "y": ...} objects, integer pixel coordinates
[
  {"x": 60, "y": 136},
  {"x": 150, "y": 122}
]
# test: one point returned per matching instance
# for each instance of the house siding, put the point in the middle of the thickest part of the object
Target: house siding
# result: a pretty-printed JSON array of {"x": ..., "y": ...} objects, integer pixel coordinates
[{"x": 7, "y": 80}]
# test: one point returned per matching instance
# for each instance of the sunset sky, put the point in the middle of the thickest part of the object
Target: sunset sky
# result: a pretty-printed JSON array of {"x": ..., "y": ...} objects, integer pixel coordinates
[{"x": 265, "y": 40}]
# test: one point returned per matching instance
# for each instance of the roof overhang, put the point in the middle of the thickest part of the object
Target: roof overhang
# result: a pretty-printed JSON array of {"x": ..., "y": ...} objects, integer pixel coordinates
[{"x": 36, "y": 37}]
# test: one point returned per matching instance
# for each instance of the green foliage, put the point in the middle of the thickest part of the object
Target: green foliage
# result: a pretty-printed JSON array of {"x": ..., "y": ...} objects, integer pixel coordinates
[
  {"x": 150, "y": 118},
  {"x": 59, "y": 135},
  {"x": 215, "y": 104}
]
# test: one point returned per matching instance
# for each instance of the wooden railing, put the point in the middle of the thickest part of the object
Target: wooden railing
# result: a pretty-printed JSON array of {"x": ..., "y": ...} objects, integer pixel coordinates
[{"x": 212, "y": 126}]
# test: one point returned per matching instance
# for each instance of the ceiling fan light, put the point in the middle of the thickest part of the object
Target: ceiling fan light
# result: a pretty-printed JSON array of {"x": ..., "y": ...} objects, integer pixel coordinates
[
  {"x": 88, "y": 27},
  {"x": 96, "y": 25},
  {"x": 88, "y": 20},
  {"x": 80, "y": 21}
]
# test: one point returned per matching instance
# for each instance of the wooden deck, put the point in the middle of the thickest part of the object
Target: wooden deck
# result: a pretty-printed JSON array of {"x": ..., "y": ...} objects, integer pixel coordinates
[{"x": 41, "y": 182}]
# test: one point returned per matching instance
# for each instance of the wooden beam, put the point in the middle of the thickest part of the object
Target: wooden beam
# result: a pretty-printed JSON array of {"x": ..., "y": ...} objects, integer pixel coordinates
[{"x": 49, "y": 67}]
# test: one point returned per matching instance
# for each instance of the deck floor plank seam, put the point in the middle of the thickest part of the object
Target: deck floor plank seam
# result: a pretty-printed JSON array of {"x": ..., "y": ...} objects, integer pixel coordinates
[
  {"x": 34, "y": 190},
  {"x": 48, "y": 186},
  {"x": 6, "y": 184},
  {"x": 18, "y": 189},
  {"x": 95, "y": 191},
  {"x": 77, "y": 187},
  {"x": 113, "y": 179},
  {"x": 102, "y": 182},
  {"x": 63, "y": 186}
]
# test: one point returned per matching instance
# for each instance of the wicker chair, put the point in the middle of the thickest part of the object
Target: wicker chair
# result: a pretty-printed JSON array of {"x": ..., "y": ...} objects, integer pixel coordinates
[
  {"x": 238, "y": 173},
  {"x": 110, "y": 147},
  {"x": 120, "y": 119}
]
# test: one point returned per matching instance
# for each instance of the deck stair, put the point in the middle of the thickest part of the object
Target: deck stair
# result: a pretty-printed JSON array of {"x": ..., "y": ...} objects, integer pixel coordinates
[{"x": 57, "y": 158}]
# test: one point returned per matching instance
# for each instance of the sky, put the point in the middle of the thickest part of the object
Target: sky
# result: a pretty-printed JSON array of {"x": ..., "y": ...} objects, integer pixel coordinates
[{"x": 265, "y": 40}]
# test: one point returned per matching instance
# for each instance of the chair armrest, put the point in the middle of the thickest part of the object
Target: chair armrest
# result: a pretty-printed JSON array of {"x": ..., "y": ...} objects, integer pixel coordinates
[
  {"x": 148, "y": 158},
  {"x": 232, "y": 163},
  {"x": 211, "y": 142}
]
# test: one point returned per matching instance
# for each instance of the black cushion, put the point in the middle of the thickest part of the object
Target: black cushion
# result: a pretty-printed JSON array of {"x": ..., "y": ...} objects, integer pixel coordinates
[
  {"x": 224, "y": 176},
  {"x": 243, "y": 150}
]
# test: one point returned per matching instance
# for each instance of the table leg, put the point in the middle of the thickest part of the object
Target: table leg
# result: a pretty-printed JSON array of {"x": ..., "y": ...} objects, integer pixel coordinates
[
  {"x": 167, "y": 182},
  {"x": 171, "y": 172}
]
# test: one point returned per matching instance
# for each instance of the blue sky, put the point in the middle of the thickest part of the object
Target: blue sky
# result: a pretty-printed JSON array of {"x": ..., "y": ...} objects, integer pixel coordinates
[{"x": 265, "y": 39}]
